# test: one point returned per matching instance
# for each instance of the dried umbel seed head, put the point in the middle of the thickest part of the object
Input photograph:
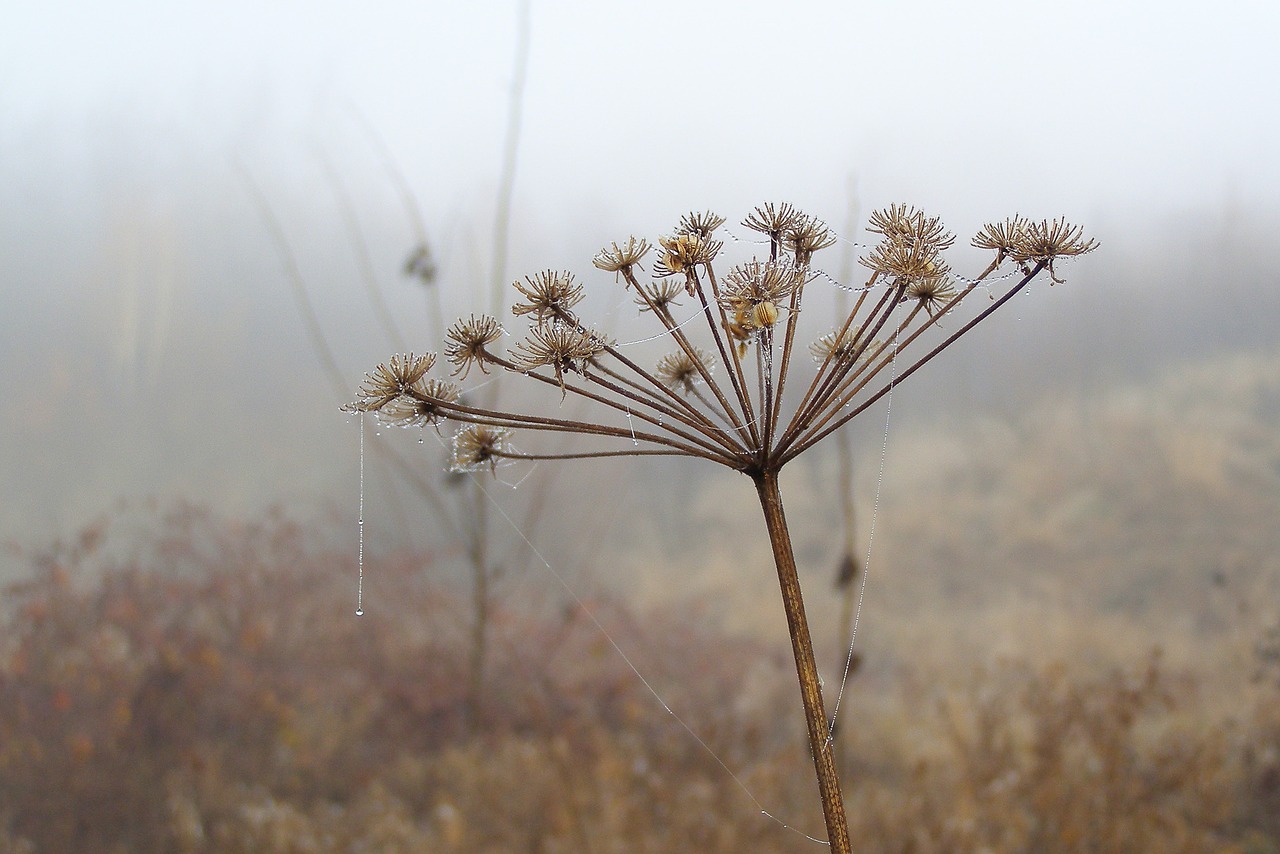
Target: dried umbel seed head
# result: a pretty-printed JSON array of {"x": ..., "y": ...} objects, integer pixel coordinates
[
  {"x": 702, "y": 224},
  {"x": 681, "y": 371},
  {"x": 684, "y": 251},
  {"x": 659, "y": 296},
  {"x": 905, "y": 263},
  {"x": 422, "y": 409},
  {"x": 900, "y": 223},
  {"x": 565, "y": 348},
  {"x": 398, "y": 375},
  {"x": 933, "y": 294},
  {"x": 738, "y": 415},
  {"x": 757, "y": 283},
  {"x": 805, "y": 236},
  {"x": 478, "y": 445},
  {"x": 840, "y": 347},
  {"x": 466, "y": 340},
  {"x": 771, "y": 219},
  {"x": 548, "y": 295},
  {"x": 620, "y": 259},
  {"x": 1001, "y": 236},
  {"x": 1044, "y": 242}
]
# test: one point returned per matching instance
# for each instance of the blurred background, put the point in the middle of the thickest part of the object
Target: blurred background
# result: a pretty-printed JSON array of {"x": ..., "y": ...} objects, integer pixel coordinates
[{"x": 205, "y": 213}]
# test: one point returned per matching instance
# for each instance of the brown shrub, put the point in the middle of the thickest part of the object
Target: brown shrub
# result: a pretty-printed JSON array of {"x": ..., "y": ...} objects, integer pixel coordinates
[{"x": 204, "y": 686}]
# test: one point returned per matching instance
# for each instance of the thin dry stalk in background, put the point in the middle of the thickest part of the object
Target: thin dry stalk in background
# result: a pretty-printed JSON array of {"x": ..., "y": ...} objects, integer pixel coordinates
[{"x": 748, "y": 413}]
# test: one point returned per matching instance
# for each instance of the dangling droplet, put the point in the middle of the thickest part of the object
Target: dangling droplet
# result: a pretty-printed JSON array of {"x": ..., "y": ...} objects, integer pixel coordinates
[
  {"x": 632, "y": 427},
  {"x": 360, "y": 525}
]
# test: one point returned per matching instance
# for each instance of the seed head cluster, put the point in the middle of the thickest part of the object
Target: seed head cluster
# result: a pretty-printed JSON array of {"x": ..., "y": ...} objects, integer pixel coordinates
[
  {"x": 727, "y": 390},
  {"x": 682, "y": 370},
  {"x": 400, "y": 376},
  {"x": 547, "y": 295},
  {"x": 466, "y": 340}
]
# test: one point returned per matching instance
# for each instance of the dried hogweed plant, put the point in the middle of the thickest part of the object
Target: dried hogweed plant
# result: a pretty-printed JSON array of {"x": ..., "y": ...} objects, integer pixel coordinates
[{"x": 727, "y": 391}]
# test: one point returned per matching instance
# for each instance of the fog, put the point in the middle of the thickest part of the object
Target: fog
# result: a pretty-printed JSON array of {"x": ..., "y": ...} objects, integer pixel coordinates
[{"x": 152, "y": 342}]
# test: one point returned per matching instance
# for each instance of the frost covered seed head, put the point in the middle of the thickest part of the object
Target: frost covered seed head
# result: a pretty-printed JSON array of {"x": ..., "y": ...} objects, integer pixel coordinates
[
  {"x": 680, "y": 371},
  {"x": 563, "y": 347},
  {"x": 391, "y": 379},
  {"x": 759, "y": 282},
  {"x": 1044, "y": 242},
  {"x": 619, "y": 259},
  {"x": 704, "y": 399},
  {"x": 466, "y": 340},
  {"x": 836, "y": 346},
  {"x": 772, "y": 220},
  {"x": 933, "y": 294},
  {"x": 702, "y": 224},
  {"x": 1003, "y": 237},
  {"x": 661, "y": 295},
  {"x": 900, "y": 223},
  {"x": 420, "y": 408},
  {"x": 683, "y": 251},
  {"x": 905, "y": 262},
  {"x": 478, "y": 445},
  {"x": 805, "y": 235},
  {"x": 548, "y": 295}
]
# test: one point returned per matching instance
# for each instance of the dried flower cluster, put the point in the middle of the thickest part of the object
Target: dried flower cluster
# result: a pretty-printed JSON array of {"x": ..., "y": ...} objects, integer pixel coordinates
[
  {"x": 400, "y": 377},
  {"x": 1028, "y": 243},
  {"x": 740, "y": 420}
]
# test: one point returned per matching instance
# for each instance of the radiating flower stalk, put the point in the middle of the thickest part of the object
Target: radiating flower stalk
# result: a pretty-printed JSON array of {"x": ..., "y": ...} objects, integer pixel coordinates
[{"x": 725, "y": 392}]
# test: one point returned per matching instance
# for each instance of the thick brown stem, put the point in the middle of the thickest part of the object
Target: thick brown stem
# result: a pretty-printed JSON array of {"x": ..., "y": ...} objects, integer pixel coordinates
[{"x": 806, "y": 665}]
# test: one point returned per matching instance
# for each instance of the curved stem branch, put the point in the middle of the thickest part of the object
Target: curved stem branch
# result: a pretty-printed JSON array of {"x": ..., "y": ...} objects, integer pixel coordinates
[{"x": 813, "y": 438}]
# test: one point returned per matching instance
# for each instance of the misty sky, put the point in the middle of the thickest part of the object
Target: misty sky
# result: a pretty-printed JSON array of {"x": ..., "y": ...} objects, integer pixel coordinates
[{"x": 150, "y": 340}]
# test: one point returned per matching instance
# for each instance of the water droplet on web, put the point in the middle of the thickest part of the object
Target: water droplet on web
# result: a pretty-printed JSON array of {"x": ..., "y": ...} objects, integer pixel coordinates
[
  {"x": 632, "y": 427},
  {"x": 360, "y": 527}
]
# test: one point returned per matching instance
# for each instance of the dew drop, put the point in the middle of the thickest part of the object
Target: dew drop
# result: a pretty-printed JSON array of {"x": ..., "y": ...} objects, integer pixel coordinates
[{"x": 360, "y": 526}]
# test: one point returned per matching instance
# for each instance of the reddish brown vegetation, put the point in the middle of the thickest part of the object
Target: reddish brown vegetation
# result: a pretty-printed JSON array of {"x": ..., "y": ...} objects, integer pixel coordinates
[{"x": 205, "y": 687}]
